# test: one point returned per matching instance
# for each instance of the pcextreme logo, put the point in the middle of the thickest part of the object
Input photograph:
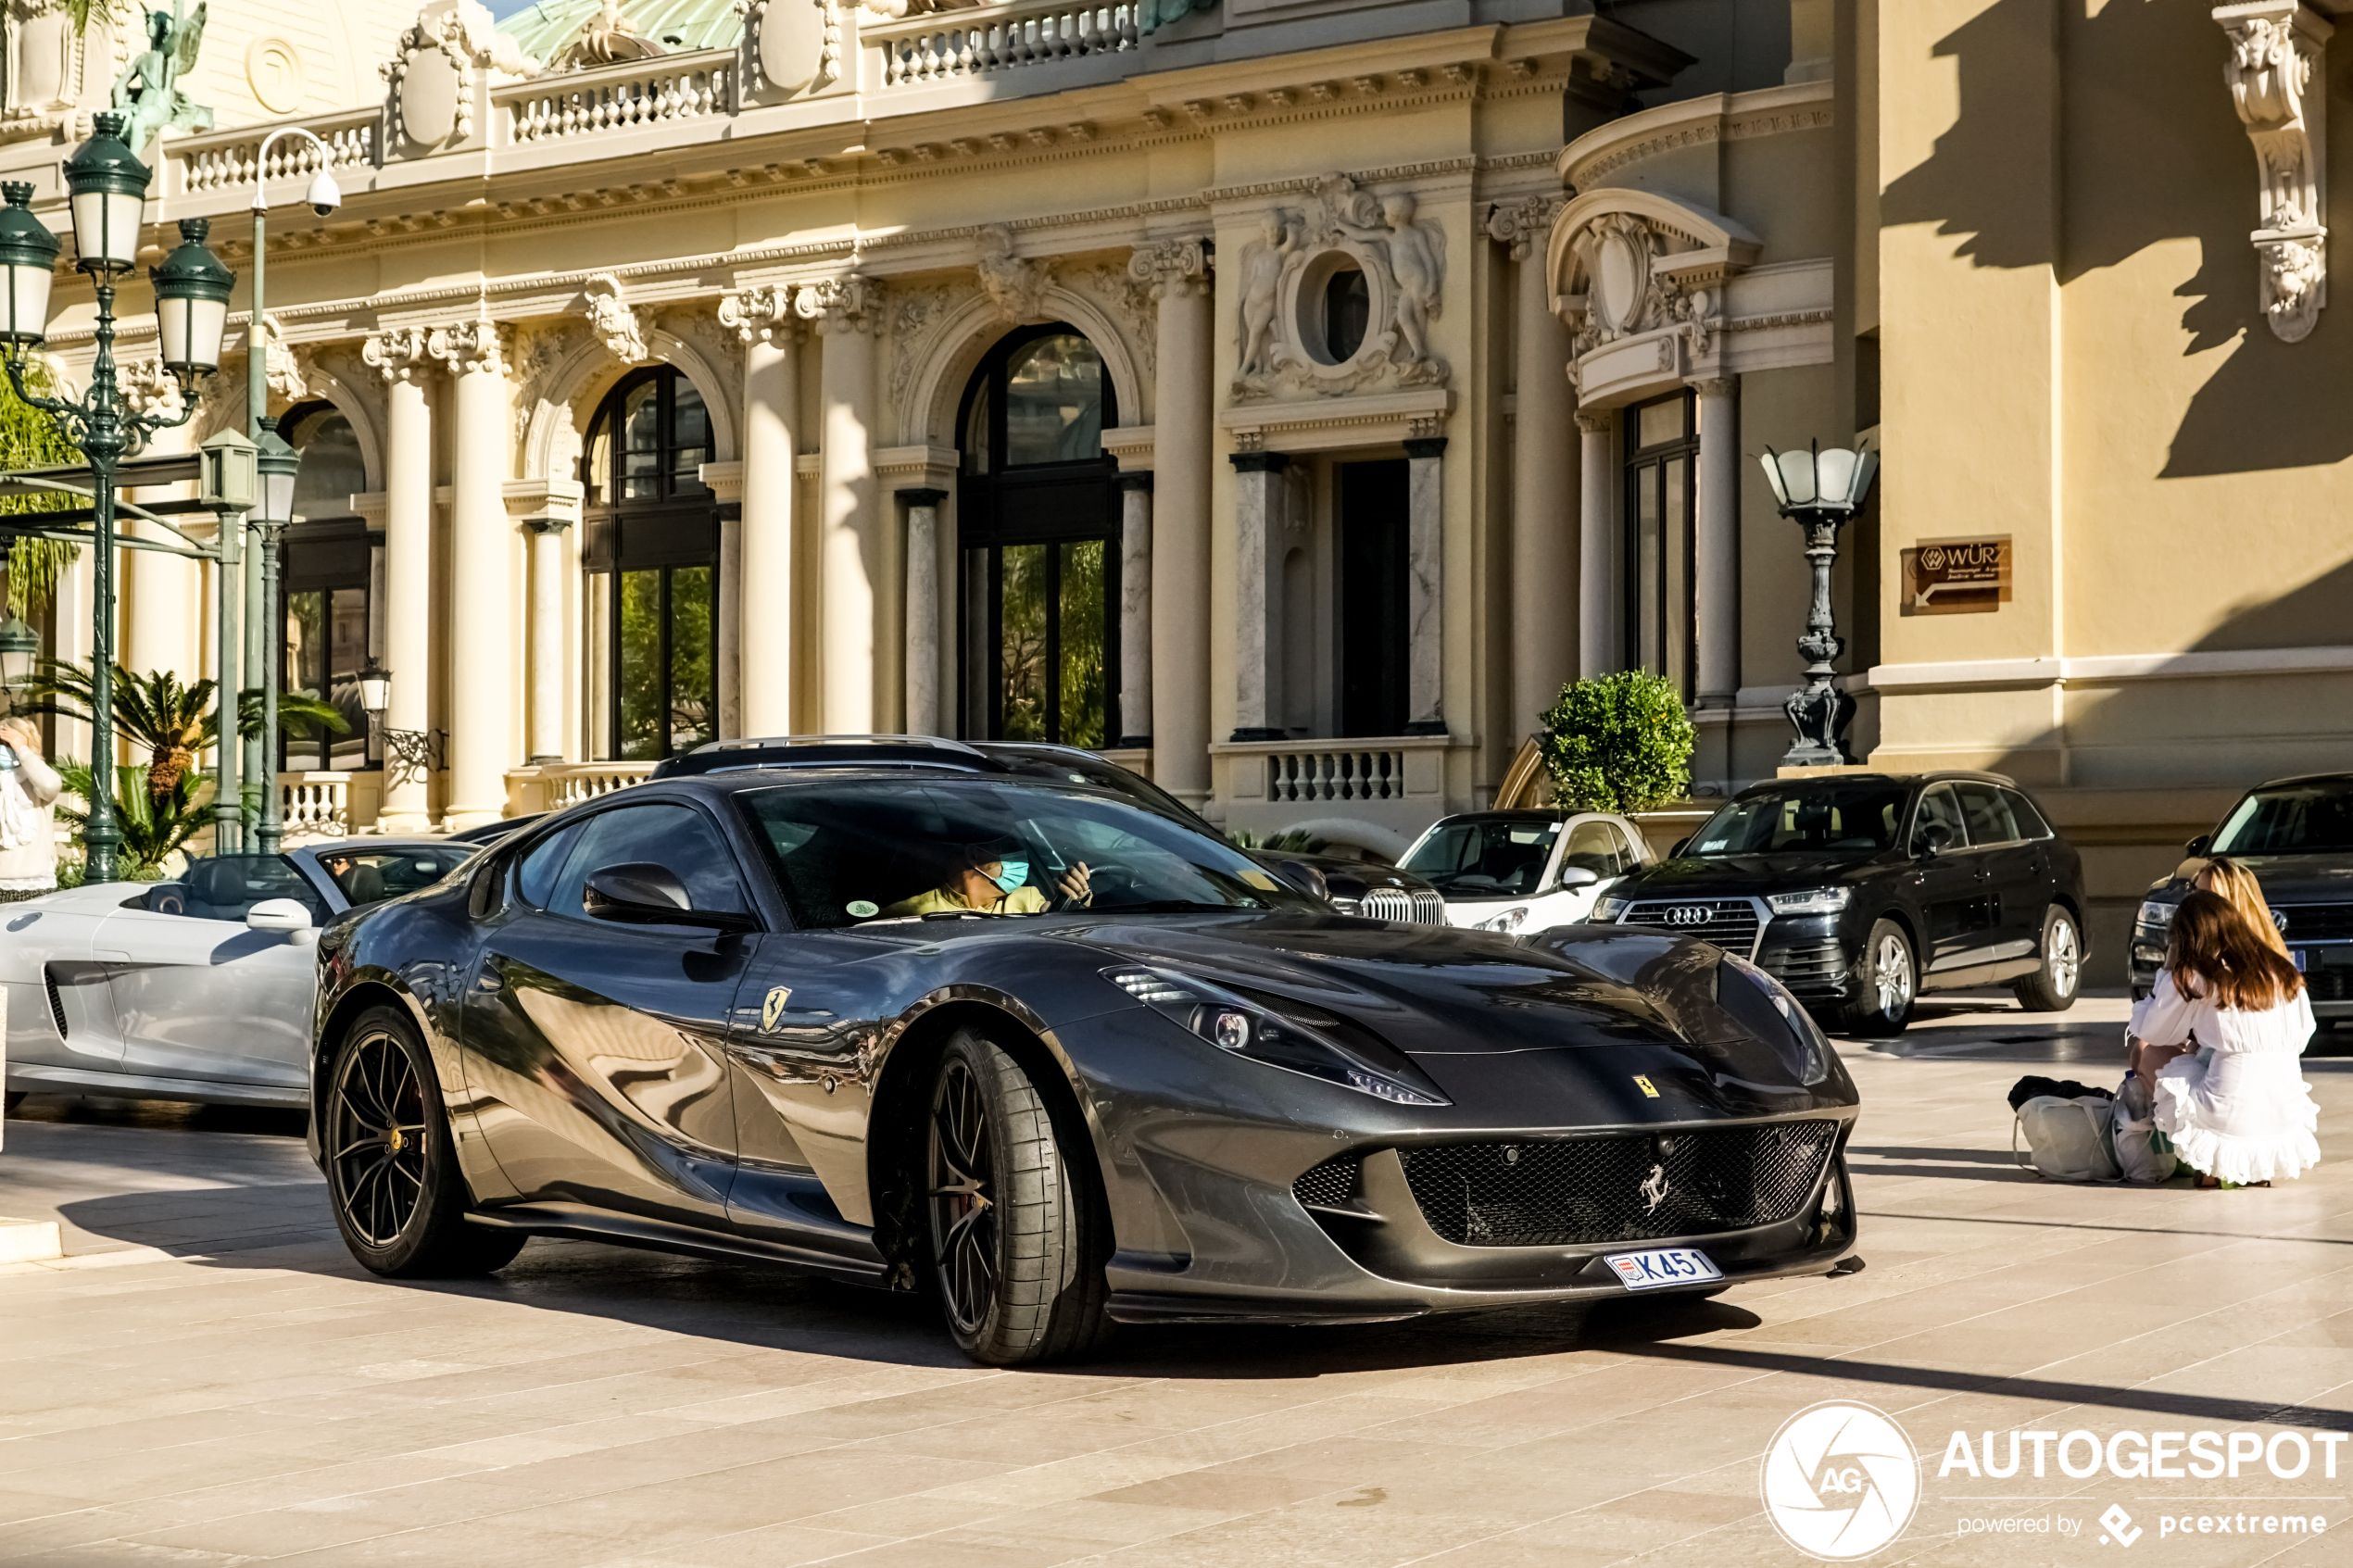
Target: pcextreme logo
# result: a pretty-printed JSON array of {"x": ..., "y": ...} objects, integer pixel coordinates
[{"x": 1839, "y": 1481}]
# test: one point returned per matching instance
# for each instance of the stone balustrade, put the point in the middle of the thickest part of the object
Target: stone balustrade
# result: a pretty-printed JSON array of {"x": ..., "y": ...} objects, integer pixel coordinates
[
  {"x": 225, "y": 161},
  {"x": 613, "y": 98},
  {"x": 943, "y": 46},
  {"x": 1378, "y": 791},
  {"x": 316, "y": 805},
  {"x": 551, "y": 787}
]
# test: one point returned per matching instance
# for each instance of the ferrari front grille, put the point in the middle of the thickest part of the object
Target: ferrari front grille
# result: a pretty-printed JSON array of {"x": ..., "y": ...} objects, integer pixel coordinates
[
  {"x": 1328, "y": 1186},
  {"x": 1413, "y": 908},
  {"x": 1627, "y": 1186}
]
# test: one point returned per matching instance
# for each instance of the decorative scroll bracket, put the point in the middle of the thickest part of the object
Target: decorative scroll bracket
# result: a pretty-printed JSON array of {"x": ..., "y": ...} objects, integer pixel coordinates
[{"x": 2278, "y": 82}]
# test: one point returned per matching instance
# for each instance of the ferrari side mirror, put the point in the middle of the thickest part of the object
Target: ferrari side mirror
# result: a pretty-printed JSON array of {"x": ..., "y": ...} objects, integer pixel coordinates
[{"x": 642, "y": 893}]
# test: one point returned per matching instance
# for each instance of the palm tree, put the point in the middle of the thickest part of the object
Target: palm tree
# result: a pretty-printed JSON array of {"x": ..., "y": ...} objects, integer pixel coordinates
[{"x": 172, "y": 720}]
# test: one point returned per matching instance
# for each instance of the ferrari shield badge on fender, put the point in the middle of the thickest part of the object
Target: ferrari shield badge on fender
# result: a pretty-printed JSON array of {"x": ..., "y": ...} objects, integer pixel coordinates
[
  {"x": 1650, "y": 1091},
  {"x": 772, "y": 1008}
]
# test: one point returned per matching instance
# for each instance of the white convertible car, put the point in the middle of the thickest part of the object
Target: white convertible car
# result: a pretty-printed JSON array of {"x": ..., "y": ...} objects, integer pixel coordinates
[{"x": 195, "y": 989}]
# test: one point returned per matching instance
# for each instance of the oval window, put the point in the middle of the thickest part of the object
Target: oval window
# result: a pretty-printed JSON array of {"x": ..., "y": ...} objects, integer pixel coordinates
[{"x": 1348, "y": 312}]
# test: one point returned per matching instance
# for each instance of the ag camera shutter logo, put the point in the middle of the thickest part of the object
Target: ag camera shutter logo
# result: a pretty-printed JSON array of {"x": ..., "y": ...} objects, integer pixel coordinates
[{"x": 1839, "y": 1481}]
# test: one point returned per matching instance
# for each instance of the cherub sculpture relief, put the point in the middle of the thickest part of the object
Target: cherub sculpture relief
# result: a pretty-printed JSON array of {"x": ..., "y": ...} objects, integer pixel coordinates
[
  {"x": 1416, "y": 255},
  {"x": 1263, "y": 263}
]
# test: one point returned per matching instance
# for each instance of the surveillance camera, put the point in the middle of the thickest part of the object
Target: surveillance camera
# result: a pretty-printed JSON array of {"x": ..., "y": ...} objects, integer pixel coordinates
[{"x": 323, "y": 196}]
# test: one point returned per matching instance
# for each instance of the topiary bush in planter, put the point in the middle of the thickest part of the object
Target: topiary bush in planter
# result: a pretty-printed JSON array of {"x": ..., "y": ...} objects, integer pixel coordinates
[{"x": 1618, "y": 742}]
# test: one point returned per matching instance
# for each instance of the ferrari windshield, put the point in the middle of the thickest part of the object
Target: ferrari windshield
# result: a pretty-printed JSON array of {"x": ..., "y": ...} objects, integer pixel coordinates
[
  {"x": 2315, "y": 819},
  {"x": 1850, "y": 819},
  {"x": 847, "y": 851}
]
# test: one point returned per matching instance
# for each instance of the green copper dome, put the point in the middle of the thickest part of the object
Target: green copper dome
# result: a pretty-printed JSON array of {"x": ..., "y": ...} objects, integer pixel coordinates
[{"x": 548, "y": 28}]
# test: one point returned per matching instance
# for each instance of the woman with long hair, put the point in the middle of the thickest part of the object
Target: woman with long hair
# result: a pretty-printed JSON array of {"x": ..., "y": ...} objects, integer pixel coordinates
[
  {"x": 2230, "y": 1011},
  {"x": 2237, "y": 885}
]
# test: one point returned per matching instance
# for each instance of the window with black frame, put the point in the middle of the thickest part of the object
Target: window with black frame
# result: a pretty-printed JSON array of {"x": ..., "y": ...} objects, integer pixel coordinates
[
  {"x": 1037, "y": 526},
  {"x": 1661, "y": 443},
  {"x": 324, "y": 581},
  {"x": 650, "y": 542}
]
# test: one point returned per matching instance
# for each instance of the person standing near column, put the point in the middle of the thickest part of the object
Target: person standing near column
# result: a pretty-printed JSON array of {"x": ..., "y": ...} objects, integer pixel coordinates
[
  {"x": 399, "y": 355},
  {"x": 1179, "y": 273},
  {"x": 763, "y": 319},
  {"x": 482, "y": 611},
  {"x": 846, "y": 311}
]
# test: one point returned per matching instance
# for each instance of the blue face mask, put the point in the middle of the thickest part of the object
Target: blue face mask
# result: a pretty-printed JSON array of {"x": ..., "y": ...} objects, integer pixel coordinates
[{"x": 1011, "y": 874}]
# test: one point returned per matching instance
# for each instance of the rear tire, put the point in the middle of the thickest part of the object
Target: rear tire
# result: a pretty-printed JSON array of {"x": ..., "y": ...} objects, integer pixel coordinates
[
  {"x": 1013, "y": 1226},
  {"x": 2053, "y": 988},
  {"x": 1887, "y": 982},
  {"x": 393, "y": 1179}
]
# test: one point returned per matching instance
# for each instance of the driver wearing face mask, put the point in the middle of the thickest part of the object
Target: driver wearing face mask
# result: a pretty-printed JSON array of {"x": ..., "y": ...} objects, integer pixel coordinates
[{"x": 992, "y": 879}]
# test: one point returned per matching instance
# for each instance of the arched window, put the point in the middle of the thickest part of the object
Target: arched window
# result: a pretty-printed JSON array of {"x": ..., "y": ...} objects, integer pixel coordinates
[
  {"x": 651, "y": 545},
  {"x": 1038, "y": 520},
  {"x": 325, "y": 578}
]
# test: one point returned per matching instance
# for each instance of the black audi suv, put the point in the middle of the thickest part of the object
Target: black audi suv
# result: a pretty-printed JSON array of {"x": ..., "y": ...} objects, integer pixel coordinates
[
  {"x": 1861, "y": 891},
  {"x": 2296, "y": 837}
]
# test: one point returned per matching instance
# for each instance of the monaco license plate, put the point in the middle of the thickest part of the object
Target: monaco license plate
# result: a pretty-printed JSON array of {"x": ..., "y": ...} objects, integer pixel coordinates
[{"x": 1668, "y": 1265}]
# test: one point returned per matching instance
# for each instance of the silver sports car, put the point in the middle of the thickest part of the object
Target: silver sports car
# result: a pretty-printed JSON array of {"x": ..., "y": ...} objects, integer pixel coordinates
[{"x": 198, "y": 989}]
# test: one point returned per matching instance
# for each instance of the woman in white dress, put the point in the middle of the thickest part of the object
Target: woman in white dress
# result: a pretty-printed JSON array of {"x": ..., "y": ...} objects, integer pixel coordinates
[{"x": 2232, "y": 1015}]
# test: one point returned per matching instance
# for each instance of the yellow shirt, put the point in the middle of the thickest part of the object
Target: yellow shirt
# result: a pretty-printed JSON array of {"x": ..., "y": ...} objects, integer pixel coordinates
[{"x": 939, "y": 900}]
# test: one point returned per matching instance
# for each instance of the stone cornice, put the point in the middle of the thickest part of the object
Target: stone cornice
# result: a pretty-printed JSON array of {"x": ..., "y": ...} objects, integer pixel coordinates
[{"x": 1767, "y": 111}]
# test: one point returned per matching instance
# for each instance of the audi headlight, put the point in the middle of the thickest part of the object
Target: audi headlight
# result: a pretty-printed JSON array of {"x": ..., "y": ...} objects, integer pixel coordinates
[
  {"x": 1508, "y": 922},
  {"x": 1814, "y": 901},
  {"x": 1298, "y": 1038},
  {"x": 1607, "y": 909},
  {"x": 2155, "y": 912}
]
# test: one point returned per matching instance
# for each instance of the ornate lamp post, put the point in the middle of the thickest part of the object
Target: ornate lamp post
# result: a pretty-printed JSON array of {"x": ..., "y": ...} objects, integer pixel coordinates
[
  {"x": 106, "y": 190},
  {"x": 1820, "y": 491}
]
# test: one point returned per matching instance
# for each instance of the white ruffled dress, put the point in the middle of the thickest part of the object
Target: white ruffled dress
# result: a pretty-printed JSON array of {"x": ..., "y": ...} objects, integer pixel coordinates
[{"x": 2238, "y": 1109}]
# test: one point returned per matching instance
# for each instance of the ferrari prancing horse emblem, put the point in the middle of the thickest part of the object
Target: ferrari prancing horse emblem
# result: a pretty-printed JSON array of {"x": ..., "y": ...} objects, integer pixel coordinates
[{"x": 772, "y": 1008}]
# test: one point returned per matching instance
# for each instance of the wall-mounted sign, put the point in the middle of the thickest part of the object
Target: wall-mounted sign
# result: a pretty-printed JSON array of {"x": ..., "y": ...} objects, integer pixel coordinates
[{"x": 1957, "y": 576}]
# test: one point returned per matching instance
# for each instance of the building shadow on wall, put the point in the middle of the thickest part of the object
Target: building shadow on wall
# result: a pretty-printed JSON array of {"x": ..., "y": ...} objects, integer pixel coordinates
[{"x": 2149, "y": 150}]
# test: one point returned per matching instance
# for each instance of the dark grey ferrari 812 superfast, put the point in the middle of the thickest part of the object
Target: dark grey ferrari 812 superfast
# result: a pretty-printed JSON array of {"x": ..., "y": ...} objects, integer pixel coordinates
[{"x": 908, "y": 1019}]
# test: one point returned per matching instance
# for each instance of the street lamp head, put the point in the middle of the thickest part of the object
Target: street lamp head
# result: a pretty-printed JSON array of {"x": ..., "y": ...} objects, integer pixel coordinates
[
  {"x": 20, "y": 647},
  {"x": 106, "y": 190},
  {"x": 323, "y": 194},
  {"x": 375, "y": 688},
  {"x": 191, "y": 302},
  {"x": 1830, "y": 485},
  {"x": 28, "y": 256},
  {"x": 279, "y": 464}
]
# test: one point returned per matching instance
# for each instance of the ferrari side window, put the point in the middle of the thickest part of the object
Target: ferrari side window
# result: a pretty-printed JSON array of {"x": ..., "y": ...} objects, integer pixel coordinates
[
  {"x": 675, "y": 837},
  {"x": 542, "y": 863}
]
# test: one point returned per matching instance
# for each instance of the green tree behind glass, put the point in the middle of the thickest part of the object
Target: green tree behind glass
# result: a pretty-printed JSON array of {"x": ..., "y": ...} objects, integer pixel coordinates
[{"x": 1082, "y": 644}]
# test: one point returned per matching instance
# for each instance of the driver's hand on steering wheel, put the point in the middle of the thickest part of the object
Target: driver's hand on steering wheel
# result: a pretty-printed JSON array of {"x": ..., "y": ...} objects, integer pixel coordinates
[{"x": 1073, "y": 886}]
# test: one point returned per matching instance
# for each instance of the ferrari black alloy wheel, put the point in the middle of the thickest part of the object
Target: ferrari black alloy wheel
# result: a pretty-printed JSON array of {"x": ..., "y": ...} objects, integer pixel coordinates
[
  {"x": 1014, "y": 1240},
  {"x": 400, "y": 1198}
]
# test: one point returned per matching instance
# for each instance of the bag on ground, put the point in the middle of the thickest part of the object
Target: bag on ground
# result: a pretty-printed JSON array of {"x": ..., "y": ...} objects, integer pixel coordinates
[
  {"x": 2067, "y": 1140},
  {"x": 2143, "y": 1154}
]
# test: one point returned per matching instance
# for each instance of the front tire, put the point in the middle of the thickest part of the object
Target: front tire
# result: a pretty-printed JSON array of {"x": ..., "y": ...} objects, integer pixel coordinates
[
  {"x": 1016, "y": 1254},
  {"x": 2053, "y": 988},
  {"x": 1887, "y": 981},
  {"x": 393, "y": 1178}
]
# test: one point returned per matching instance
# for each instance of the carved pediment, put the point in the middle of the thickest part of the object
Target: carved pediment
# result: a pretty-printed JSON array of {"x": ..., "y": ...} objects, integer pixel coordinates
[
  {"x": 447, "y": 59},
  {"x": 1623, "y": 263}
]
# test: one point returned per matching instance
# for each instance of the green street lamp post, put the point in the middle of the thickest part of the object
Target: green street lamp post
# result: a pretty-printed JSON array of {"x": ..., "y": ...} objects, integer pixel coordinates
[
  {"x": 279, "y": 464},
  {"x": 106, "y": 192}
]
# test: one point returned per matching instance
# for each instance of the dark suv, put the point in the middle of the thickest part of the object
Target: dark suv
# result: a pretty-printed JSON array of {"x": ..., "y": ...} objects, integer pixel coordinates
[
  {"x": 2296, "y": 837},
  {"x": 1860, "y": 891}
]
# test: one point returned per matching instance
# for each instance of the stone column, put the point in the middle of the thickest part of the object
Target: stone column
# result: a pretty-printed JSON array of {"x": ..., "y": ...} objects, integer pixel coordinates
[
  {"x": 1258, "y": 595},
  {"x": 1179, "y": 272},
  {"x": 548, "y": 582},
  {"x": 762, "y": 319},
  {"x": 1424, "y": 585},
  {"x": 1716, "y": 566},
  {"x": 923, "y": 715},
  {"x": 481, "y": 602},
  {"x": 1545, "y": 475},
  {"x": 855, "y": 573},
  {"x": 1599, "y": 649},
  {"x": 1135, "y": 731},
  {"x": 400, "y": 354}
]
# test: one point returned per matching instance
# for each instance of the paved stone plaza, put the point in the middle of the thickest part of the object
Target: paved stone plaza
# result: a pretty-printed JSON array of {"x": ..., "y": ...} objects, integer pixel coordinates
[{"x": 207, "y": 1379}]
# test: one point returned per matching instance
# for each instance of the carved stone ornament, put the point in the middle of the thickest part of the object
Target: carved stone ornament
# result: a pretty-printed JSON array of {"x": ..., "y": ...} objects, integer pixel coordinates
[
  {"x": 1015, "y": 286},
  {"x": 479, "y": 345},
  {"x": 614, "y": 323},
  {"x": 433, "y": 77},
  {"x": 397, "y": 353},
  {"x": 758, "y": 315},
  {"x": 48, "y": 56},
  {"x": 1129, "y": 301},
  {"x": 1525, "y": 224},
  {"x": 286, "y": 366},
  {"x": 791, "y": 46},
  {"x": 1170, "y": 267},
  {"x": 1632, "y": 286},
  {"x": 2277, "y": 79},
  {"x": 847, "y": 303},
  {"x": 151, "y": 390},
  {"x": 1286, "y": 274}
]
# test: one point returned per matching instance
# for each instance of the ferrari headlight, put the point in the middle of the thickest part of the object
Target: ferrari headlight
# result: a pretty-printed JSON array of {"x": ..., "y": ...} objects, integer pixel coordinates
[
  {"x": 1607, "y": 909},
  {"x": 1297, "y": 1039},
  {"x": 1813, "y": 1046},
  {"x": 2155, "y": 911},
  {"x": 1508, "y": 922},
  {"x": 1814, "y": 901}
]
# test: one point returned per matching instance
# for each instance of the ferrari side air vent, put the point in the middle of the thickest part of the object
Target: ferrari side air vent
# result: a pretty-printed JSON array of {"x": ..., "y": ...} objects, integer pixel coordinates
[
  {"x": 1331, "y": 1185},
  {"x": 56, "y": 1003}
]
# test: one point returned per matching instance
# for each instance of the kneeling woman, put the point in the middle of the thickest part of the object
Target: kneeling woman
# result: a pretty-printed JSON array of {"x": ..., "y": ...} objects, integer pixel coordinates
[{"x": 2232, "y": 1014}]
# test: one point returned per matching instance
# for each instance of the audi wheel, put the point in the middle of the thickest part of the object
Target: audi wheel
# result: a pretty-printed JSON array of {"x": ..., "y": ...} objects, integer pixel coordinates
[
  {"x": 1885, "y": 984},
  {"x": 2053, "y": 988}
]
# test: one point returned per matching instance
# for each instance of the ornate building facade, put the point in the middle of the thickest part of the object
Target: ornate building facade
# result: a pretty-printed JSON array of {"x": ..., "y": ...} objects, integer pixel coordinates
[{"x": 1283, "y": 396}]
